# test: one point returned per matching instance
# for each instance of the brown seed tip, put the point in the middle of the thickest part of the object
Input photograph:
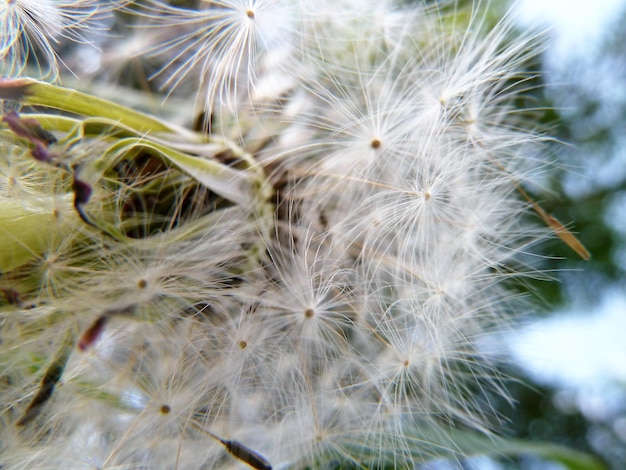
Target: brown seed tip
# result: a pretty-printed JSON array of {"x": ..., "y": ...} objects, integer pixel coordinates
[
  {"x": 250, "y": 14},
  {"x": 93, "y": 333},
  {"x": 165, "y": 409},
  {"x": 375, "y": 143},
  {"x": 309, "y": 313},
  {"x": 14, "y": 88}
]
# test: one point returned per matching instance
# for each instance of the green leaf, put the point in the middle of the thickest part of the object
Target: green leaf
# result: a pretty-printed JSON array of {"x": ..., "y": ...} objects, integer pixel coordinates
[
  {"x": 474, "y": 444},
  {"x": 25, "y": 232},
  {"x": 36, "y": 93},
  {"x": 427, "y": 444}
]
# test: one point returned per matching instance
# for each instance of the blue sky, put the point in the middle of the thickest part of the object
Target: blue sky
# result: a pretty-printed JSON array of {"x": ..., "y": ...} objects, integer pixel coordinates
[{"x": 577, "y": 24}]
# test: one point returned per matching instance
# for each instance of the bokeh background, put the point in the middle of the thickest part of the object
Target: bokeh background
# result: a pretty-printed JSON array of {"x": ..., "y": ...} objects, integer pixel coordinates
[{"x": 571, "y": 356}]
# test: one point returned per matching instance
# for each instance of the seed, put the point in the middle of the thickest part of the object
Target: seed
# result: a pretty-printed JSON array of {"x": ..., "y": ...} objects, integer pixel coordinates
[{"x": 247, "y": 455}]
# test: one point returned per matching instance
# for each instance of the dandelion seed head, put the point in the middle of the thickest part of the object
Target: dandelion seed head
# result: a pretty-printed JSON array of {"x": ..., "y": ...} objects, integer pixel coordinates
[
  {"x": 32, "y": 30},
  {"x": 226, "y": 47},
  {"x": 329, "y": 307}
]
